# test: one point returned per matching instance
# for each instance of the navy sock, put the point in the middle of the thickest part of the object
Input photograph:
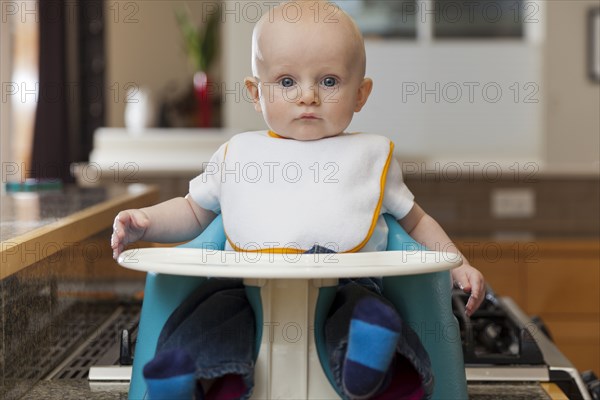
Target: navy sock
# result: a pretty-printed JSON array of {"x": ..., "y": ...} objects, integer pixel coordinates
[
  {"x": 374, "y": 332},
  {"x": 171, "y": 375}
]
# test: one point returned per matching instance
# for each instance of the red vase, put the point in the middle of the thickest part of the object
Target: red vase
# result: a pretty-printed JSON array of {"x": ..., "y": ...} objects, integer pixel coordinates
[{"x": 203, "y": 105}]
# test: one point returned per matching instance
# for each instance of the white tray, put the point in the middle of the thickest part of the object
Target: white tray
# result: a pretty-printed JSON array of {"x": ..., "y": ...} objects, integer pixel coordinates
[{"x": 230, "y": 264}]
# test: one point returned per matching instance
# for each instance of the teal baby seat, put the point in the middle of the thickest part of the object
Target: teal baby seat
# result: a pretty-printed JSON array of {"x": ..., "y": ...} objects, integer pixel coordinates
[{"x": 423, "y": 301}]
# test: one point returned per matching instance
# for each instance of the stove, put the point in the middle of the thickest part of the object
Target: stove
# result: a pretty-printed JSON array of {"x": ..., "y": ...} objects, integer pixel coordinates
[{"x": 502, "y": 344}]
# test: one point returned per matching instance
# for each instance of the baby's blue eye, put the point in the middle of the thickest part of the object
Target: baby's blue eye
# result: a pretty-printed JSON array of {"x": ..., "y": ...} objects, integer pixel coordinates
[
  {"x": 329, "y": 81},
  {"x": 287, "y": 82}
]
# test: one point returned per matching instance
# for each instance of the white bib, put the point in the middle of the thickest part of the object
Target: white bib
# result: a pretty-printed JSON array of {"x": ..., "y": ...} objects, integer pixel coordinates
[{"x": 287, "y": 195}]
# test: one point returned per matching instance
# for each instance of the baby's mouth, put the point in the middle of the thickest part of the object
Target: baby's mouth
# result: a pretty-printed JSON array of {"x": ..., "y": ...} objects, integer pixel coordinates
[{"x": 308, "y": 116}]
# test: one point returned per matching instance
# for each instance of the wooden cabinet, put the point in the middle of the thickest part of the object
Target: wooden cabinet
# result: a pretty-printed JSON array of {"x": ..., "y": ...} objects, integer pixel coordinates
[{"x": 559, "y": 280}]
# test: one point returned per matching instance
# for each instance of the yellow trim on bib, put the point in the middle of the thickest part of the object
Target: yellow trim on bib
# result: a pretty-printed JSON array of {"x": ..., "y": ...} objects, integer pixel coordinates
[
  {"x": 273, "y": 250},
  {"x": 379, "y": 203},
  {"x": 225, "y": 152},
  {"x": 274, "y": 135}
]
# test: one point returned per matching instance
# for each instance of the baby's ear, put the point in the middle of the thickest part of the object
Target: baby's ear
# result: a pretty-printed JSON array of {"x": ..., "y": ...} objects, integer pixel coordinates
[
  {"x": 364, "y": 91},
  {"x": 252, "y": 87}
]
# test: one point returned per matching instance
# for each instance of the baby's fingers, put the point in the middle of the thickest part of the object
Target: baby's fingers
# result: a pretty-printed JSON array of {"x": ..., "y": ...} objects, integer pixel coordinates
[
  {"x": 116, "y": 241},
  {"x": 470, "y": 280},
  {"x": 118, "y": 237},
  {"x": 472, "y": 304},
  {"x": 477, "y": 292}
]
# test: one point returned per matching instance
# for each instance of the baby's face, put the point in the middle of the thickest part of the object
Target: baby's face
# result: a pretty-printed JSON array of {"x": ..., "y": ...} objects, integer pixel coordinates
[{"x": 310, "y": 77}]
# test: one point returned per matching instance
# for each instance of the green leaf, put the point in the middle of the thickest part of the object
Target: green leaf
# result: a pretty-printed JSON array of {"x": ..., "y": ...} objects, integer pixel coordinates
[{"x": 201, "y": 44}]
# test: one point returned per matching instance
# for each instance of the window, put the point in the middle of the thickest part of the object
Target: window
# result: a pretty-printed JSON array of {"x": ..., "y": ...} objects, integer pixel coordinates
[
  {"x": 19, "y": 75},
  {"x": 442, "y": 19},
  {"x": 383, "y": 18},
  {"x": 480, "y": 18}
]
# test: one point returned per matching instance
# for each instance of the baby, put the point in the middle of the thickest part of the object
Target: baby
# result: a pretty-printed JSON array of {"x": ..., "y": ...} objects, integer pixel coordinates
[{"x": 308, "y": 187}]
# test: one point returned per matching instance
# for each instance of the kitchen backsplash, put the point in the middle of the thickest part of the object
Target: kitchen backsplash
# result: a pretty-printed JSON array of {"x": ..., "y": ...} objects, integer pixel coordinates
[{"x": 511, "y": 206}]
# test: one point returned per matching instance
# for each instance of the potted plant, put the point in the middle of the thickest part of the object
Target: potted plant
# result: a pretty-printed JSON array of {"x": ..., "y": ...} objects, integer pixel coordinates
[{"x": 201, "y": 45}]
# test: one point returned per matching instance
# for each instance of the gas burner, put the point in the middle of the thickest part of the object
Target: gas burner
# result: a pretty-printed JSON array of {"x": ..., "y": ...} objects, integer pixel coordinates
[
  {"x": 490, "y": 336},
  {"x": 500, "y": 343}
]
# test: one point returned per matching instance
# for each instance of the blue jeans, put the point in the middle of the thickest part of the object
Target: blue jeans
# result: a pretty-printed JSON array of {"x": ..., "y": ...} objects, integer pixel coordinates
[
  {"x": 216, "y": 326},
  {"x": 409, "y": 349}
]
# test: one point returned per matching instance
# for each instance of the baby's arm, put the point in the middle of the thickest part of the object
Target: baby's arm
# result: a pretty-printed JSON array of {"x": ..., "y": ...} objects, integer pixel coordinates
[
  {"x": 424, "y": 229},
  {"x": 174, "y": 220}
]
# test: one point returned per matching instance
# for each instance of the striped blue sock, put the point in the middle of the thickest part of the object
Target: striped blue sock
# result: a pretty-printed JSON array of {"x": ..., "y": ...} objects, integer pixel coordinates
[
  {"x": 171, "y": 375},
  {"x": 374, "y": 332}
]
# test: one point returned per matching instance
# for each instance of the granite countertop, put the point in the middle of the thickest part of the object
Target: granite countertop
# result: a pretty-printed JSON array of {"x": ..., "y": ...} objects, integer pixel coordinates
[
  {"x": 80, "y": 389},
  {"x": 74, "y": 390},
  {"x": 34, "y": 225},
  {"x": 24, "y": 212}
]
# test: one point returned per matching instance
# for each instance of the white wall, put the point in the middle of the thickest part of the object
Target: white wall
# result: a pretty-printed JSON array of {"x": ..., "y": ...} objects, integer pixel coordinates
[
  {"x": 573, "y": 100},
  {"x": 454, "y": 100},
  {"x": 238, "y": 112}
]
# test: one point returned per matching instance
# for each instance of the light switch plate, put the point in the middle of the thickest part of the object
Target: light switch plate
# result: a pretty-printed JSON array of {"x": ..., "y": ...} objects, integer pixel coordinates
[{"x": 513, "y": 203}]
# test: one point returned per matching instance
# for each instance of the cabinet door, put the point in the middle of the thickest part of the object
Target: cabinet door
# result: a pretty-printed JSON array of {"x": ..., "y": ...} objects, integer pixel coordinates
[
  {"x": 567, "y": 283},
  {"x": 564, "y": 289},
  {"x": 499, "y": 264}
]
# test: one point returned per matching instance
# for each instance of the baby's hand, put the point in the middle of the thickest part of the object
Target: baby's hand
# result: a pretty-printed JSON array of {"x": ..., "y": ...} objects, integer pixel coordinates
[
  {"x": 470, "y": 280},
  {"x": 129, "y": 226}
]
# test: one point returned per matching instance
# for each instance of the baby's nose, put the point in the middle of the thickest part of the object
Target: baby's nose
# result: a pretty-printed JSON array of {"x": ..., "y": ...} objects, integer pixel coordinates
[{"x": 309, "y": 95}]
